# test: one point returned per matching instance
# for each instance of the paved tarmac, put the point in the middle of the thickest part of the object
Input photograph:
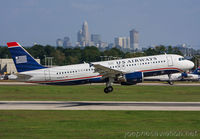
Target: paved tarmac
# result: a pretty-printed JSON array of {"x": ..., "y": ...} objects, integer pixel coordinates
[
  {"x": 99, "y": 105},
  {"x": 16, "y": 83}
]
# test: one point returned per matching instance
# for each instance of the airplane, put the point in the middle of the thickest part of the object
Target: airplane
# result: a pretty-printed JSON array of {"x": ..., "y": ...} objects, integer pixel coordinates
[
  {"x": 127, "y": 71},
  {"x": 193, "y": 76}
]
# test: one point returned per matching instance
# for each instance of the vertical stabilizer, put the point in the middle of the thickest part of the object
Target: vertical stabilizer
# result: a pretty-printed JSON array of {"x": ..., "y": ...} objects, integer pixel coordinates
[{"x": 22, "y": 59}]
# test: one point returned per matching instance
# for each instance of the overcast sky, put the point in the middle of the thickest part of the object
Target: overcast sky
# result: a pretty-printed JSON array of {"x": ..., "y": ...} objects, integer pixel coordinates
[{"x": 43, "y": 21}]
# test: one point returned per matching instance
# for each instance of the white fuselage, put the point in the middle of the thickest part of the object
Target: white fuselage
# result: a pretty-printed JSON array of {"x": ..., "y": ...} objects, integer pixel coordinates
[{"x": 149, "y": 66}]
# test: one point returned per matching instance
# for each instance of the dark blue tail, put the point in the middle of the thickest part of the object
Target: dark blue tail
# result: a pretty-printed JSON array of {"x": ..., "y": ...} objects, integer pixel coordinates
[{"x": 22, "y": 59}]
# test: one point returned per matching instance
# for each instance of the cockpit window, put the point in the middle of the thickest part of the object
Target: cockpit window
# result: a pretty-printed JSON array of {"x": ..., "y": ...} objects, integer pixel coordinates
[{"x": 182, "y": 58}]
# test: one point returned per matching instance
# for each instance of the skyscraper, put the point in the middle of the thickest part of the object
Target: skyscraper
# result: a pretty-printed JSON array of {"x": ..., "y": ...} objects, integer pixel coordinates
[
  {"x": 96, "y": 38},
  {"x": 119, "y": 41},
  {"x": 59, "y": 43},
  {"x": 79, "y": 36},
  {"x": 123, "y": 42},
  {"x": 128, "y": 43},
  {"x": 83, "y": 38},
  {"x": 134, "y": 39},
  {"x": 66, "y": 42},
  {"x": 85, "y": 33}
]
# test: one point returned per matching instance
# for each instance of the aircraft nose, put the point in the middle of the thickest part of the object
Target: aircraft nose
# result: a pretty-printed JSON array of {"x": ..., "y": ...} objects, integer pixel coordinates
[{"x": 190, "y": 64}]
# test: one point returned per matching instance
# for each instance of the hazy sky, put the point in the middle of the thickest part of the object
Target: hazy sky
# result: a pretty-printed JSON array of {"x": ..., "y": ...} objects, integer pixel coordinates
[{"x": 43, "y": 21}]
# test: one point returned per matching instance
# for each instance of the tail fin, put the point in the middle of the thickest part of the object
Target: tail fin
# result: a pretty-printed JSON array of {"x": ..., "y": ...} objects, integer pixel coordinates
[
  {"x": 22, "y": 59},
  {"x": 197, "y": 71}
]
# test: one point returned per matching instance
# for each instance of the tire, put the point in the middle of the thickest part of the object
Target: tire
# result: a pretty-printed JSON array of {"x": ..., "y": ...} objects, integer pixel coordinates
[
  {"x": 110, "y": 88},
  {"x": 106, "y": 90}
]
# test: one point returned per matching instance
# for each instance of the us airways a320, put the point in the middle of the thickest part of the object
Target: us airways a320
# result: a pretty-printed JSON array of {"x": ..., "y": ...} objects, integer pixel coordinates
[{"x": 124, "y": 71}]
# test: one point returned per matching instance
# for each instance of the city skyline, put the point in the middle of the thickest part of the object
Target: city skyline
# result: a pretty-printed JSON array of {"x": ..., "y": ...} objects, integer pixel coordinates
[{"x": 169, "y": 22}]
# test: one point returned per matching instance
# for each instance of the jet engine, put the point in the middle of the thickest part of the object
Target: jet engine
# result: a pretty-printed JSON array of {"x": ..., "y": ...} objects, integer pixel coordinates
[{"x": 132, "y": 78}]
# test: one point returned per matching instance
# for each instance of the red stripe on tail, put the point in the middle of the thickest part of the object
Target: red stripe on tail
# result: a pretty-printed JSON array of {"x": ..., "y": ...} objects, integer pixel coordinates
[{"x": 12, "y": 44}]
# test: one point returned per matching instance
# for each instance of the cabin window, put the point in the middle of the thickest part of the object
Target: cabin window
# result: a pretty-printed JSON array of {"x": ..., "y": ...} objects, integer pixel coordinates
[{"x": 180, "y": 59}]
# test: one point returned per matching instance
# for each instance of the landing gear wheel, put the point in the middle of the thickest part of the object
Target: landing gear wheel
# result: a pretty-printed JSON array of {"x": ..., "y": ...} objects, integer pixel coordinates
[{"x": 108, "y": 89}]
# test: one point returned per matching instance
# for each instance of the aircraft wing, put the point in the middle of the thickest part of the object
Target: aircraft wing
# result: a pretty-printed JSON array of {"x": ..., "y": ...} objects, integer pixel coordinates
[{"x": 105, "y": 71}]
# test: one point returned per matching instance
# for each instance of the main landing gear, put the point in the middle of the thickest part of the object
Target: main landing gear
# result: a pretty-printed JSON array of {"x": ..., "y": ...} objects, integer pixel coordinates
[{"x": 109, "y": 88}]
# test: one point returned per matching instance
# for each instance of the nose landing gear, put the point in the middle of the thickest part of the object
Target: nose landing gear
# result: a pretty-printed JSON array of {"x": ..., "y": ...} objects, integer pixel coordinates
[{"x": 170, "y": 80}]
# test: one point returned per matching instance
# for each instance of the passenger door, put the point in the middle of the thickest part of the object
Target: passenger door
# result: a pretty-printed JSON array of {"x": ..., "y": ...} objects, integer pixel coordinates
[
  {"x": 47, "y": 75},
  {"x": 169, "y": 60}
]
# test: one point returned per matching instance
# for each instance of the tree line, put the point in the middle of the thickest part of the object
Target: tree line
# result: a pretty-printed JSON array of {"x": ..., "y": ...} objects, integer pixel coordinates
[{"x": 67, "y": 56}]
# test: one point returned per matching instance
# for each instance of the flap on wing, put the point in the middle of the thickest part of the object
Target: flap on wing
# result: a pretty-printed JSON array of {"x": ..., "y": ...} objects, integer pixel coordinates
[{"x": 105, "y": 71}]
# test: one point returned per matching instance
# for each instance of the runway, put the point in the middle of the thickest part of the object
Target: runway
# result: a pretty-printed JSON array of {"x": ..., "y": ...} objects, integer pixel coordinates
[
  {"x": 99, "y": 105},
  {"x": 17, "y": 83}
]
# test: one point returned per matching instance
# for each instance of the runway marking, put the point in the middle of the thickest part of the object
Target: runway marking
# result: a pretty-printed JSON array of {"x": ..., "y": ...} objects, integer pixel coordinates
[{"x": 99, "y": 105}]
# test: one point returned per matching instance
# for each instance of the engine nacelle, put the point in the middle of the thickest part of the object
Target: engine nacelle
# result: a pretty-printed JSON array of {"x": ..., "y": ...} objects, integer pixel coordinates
[
  {"x": 184, "y": 75},
  {"x": 133, "y": 78}
]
